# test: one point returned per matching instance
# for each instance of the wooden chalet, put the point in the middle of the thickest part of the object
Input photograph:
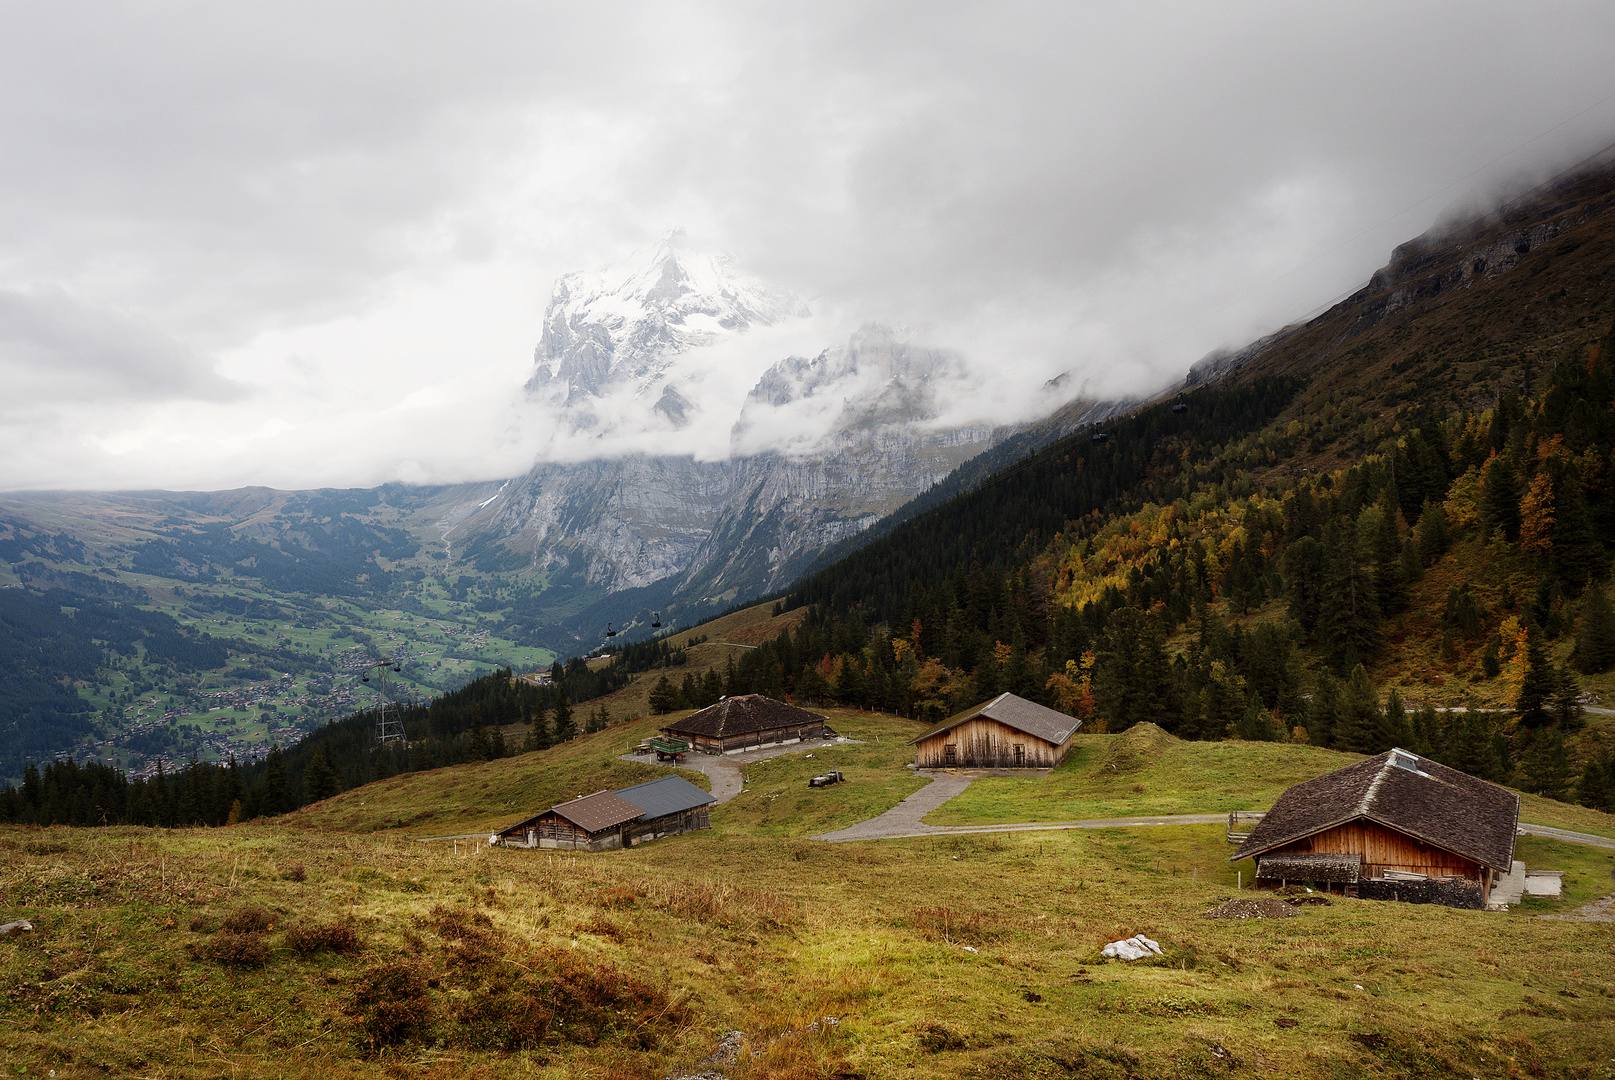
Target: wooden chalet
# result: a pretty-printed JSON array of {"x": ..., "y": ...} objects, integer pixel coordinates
[
  {"x": 1396, "y": 826},
  {"x": 669, "y": 805},
  {"x": 746, "y": 722},
  {"x": 614, "y": 819},
  {"x": 1007, "y": 732},
  {"x": 588, "y": 823}
]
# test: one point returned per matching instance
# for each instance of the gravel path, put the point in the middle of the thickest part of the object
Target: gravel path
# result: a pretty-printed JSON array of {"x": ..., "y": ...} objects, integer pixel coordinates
[
  {"x": 1550, "y": 833},
  {"x": 725, "y": 770},
  {"x": 1598, "y": 911}
]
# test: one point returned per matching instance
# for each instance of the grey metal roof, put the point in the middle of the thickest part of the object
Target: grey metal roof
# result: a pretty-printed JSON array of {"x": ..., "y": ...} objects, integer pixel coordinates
[
  {"x": 1018, "y": 713},
  {"x": 665, "y": 795}
]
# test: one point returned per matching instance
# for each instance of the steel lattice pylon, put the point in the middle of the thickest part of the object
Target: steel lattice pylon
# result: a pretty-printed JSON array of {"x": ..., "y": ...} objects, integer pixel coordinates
[{"x": 389, "y": 715}]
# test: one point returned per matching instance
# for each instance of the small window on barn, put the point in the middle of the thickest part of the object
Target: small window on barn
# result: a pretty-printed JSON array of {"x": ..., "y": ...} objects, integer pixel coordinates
[
  {"x": 950, "y": 753},
  {"x": 1020, "y": 753},
  {"x": 1403, "y": 759}
]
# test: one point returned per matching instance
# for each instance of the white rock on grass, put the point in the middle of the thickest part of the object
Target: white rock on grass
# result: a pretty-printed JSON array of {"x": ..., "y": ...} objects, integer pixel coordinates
[{"x": 1134, "y": 948}]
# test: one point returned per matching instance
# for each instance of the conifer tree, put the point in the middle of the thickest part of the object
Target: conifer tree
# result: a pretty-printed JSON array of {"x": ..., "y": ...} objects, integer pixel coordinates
[
  {"x": 319, "y": 779},
  {"x": 277, "y": 795},
  {"x": 1349, "y": 611},
  {"x": 480, "y": 748},
  {"x": 1500, "y": 498},
  {"x": 1304, "y": 581},
  {"x": 1394, "y": 728},
  {"x": 1431, "y": 533},
  {"x": 1596, "y": 788},
  {"x": 1577, "y": 556},
  {"x": 1538, "y": 682},
  {"x": 663, "y": 698},
  {"x": 1360, "y": 719},
  {"x": 1595, "y": 637},
  {"x": 1472, "y": 747},
  {"x": 1256, "y": 725},
  {"x": 1546, "y": 766},
  {"x": 1323, "y": 713},
  {"x": 565, "y": 729}
]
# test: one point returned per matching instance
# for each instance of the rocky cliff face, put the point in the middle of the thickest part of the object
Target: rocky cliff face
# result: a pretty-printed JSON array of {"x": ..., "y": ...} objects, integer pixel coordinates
[{"x": 821, "y": 448}]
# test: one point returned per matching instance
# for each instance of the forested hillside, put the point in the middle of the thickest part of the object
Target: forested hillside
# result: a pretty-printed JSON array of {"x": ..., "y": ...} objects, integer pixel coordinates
[{"x": 1388, "y": 526}]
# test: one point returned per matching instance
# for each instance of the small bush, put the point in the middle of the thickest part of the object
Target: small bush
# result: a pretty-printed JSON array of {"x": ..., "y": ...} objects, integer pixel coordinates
[
  {"x": 309, "y": 938},
  {"x": 468, "y": 934},
  {"x": 201, "y": 924},
  {"x": 248, "y": 920},
  {"x": 390, "y": 1005},
  {"x": 233, "y": 950},
  {"x": 295, "y": 872}
]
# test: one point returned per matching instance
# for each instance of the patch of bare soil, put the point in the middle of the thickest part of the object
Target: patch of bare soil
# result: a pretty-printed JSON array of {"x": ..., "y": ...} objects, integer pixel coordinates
[{"x": 1269, "y": 907}]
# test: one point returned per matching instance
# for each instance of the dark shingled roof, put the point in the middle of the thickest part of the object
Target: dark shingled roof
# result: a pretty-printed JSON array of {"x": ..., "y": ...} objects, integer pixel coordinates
[
  {"x": 1018, "y": 713},
  {"x": 1329, "y": 866},
  {"x": 750, "y": 714},
  {"x": 665, "y": 795},
  {"x": 602, "y": 810},
  {"x": 1420, "y": 797}
]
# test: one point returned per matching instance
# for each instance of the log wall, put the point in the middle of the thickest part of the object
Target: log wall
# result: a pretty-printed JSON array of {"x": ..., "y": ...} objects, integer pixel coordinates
[
  {"x": 1385, "y": 849},
  {"x": 984, "y": 743}
]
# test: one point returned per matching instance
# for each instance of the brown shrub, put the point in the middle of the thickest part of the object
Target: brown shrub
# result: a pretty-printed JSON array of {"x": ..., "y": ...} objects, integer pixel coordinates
[
  {"x": 390, "y": 1005},
  {"x": 295, "y": 872},
  {"x": 309, "y": 938},
  {"x": 468, "y": 934},
  {"x": 233, "y": 950},
  {"x": 558, "y": 996},
  {"x": 201, "y": 924},
  {"x": 248, "y": 920}
]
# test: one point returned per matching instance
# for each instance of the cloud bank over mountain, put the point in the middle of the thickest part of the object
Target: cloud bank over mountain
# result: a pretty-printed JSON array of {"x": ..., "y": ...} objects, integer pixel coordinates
[{"x": 315, "y": 244}]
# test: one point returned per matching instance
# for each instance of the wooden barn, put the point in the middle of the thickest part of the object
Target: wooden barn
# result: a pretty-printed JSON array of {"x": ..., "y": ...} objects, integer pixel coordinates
[
  {"x": 1395, "y": 826},
  {"x": 1007, "y": 732},
  {"x": 746, "y": 722},
  {"x": 589, "y": 823},
  {"x": 666, "y": 806}
]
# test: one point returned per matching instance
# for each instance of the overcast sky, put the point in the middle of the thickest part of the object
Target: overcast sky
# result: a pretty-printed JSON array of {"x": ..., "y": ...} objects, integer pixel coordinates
[{"x": 311, "y": 244}]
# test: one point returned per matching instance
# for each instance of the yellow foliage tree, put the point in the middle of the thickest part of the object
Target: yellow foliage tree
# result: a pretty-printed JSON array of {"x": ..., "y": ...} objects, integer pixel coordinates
[{"x": 1537, "y": 515}]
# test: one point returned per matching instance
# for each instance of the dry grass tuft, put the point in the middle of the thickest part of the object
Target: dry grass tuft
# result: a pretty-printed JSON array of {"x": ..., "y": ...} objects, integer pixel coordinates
[
  {"x": 390, "y": 1004},
  {"x": 237, "y": 950},
  {"x": 306, "y": 939},
  {"x": 248, "y": 920}
]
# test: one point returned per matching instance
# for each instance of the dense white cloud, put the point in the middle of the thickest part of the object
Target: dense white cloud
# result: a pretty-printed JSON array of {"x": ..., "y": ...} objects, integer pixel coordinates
[{"x": 311, "y": 243}]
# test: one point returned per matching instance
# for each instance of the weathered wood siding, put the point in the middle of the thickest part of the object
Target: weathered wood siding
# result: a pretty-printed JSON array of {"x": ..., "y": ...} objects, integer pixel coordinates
[
  {"x": 1385, "y": 849},
  {"x": 638, "y": 832},
  {"x": 984, "y": 743},
  {"x": 554, "y": 831},
  {"x": 771, "y": 737}
]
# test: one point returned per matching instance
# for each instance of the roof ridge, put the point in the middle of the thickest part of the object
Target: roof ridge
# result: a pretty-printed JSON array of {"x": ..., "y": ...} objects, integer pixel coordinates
[{"x": 1372, "y": 792}]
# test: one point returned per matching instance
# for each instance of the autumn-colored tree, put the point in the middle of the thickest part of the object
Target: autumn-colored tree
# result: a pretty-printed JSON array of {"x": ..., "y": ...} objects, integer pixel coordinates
[{"x": 1536, "y": 515}]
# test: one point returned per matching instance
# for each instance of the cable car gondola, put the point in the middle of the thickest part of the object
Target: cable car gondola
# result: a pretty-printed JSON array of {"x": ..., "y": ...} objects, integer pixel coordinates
[
  {"x": 1180, "y": 406},
  {"x": 1101, "y": 437},
  {"x": 656, "y": 620},
  {"x": 609, "y": 631}
]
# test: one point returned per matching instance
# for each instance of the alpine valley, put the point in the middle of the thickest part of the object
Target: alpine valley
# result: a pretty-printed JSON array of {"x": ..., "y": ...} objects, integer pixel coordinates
[{"x": 277, "y": 598}]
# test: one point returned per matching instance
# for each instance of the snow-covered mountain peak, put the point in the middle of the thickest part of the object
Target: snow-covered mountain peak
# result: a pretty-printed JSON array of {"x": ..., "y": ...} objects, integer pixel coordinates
[{"x": 622, "y": 327}]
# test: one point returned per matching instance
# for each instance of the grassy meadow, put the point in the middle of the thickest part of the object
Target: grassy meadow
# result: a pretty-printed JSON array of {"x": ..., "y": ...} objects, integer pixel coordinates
[{"x": 331, "y": 943}]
